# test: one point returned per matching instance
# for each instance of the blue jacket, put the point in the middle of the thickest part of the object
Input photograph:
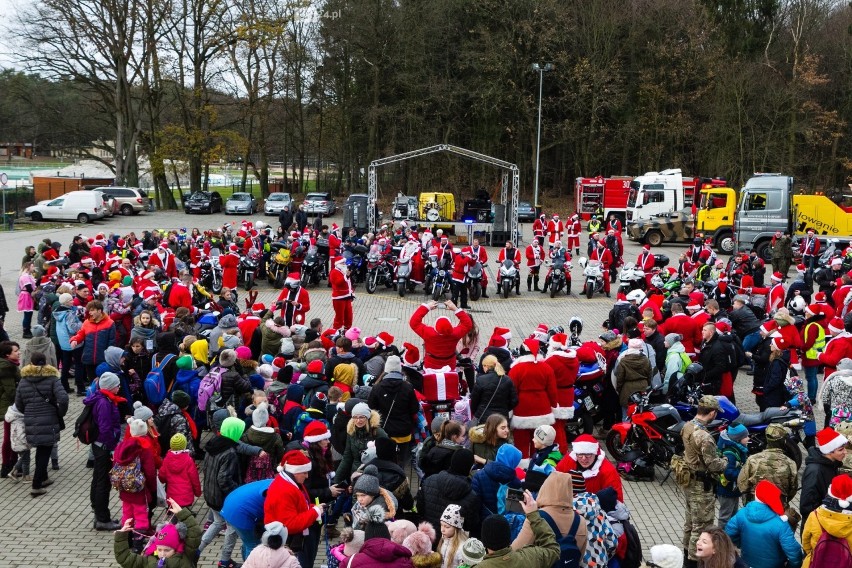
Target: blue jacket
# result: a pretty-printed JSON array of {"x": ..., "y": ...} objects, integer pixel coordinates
[
  {"x": 243, "y": 508},
  {"x": 67, "y": 324},
  {"x": 766, "y": 541},
  {"x": 736, "y": 455},
  {"x": 488, "y": 481}
]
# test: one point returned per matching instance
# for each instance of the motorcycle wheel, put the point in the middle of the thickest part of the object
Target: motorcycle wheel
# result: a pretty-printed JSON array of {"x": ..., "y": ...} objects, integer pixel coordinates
[
  {"x": 475, "y": 292},
  {"x": 371, "y": 282},
  {"x": 590, "y": 291},
  {"x": 553, "y": 289},
  {"x": 306, "y": 278},
  {"x": 616, "y": 447},
  {"x": 582, "y": 423},
  {"x": 249, "y": 282},
  {"x": 436, "y": 292},
  {"x": 401, "y": 286},
  {"x": 507, "y": 287},
  {"x": 279, "y": 279},
  {"x": 216, "y": 286}
]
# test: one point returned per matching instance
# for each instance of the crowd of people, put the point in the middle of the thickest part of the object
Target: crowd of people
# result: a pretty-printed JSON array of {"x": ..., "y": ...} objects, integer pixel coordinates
[{"x": 398, "y": 453}]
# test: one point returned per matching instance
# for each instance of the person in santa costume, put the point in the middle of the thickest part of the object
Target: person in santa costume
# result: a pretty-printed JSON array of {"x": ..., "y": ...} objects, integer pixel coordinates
[
  {"x": 555, "y": 229},
  {"x": 535, "y": 258},
  {"x": 165, "y": 259},
  {"x": 498, "y": 345},
  {"x": 602, "y": 254},
  {"x": 575, "y": 229},
  {"x": 565, "y": 367},
  {"x": 510, "y": 252},
  {"x": 536, "y": 385},
  {"x": 181, "y": 293},
  {"x": 838, "y": 347},
  {"x": 230, "y": 264},
  {"x": 341, "y": 294},
  {"x": 288, "y": 502},
  {"x": 294, "y": 300},
  {"x": 598, "y": 472},
  {"x": 645, "y": 262},
  {"x": 809, "y": 249},
  {"x": 481, "y": 255},
  {"x": 539, "y": 228},
  {"x": 411, "y": 253},
  {"x": 440, "y": 340}
]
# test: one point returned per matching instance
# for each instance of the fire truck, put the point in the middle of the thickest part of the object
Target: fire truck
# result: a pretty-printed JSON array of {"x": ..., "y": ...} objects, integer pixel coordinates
[{"x": 600, "y": 194}]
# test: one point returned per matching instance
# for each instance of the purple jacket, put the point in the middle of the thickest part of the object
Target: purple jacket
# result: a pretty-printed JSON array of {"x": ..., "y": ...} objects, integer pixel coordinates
[
  {"x": 107, "y": 417},
  {"x": 379, "y": 552}
]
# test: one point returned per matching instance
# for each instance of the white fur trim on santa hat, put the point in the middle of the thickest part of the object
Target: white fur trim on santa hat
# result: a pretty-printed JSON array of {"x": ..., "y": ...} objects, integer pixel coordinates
[
  {"x": 836, "y": 442},
  {"x": 319, "y": 437},
  {"x": 532, "y": 422},
  {"x": 584, "y": 448},
  {"x": 305, "y": 468}
]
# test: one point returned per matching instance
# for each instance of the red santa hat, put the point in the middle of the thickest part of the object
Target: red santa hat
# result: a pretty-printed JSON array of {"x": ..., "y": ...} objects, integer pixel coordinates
[
  {"x": 371, "y": 343},
  {"x": 233, "y": 248},
  {"x": 540, "y": 330},
  {"x": 800, "y": 268},
  {"x": 315, "y": 431},
  {"x": 829, "y": 440},
  {"x": 841, "y": 489},
  {"x": 295, "y": 461},
  {"x": 819, "y": 297},
  {"x": 293, "y": 278},
  {"x": 696, "y": 301},
  {"x": 334, "y": 227},
  {"x": 723, "y": 277},
  {"x": 164, "y": 244},
  {"x": 779, "y": 342},
  {"x": 149, "y": 293},
  {"x": 769, "y": 494},
  {"x": 723, "y": 326},
  {"x": 646, "y": 246},
  {"x": 385, "y": 338},
  {"x": 443, "y": 326},
  {"x": 777, "y": 276},
  {"x": 279, "y": 362},
  {"x": 530, "y": 346},
  {"x": 258, "y": 307},
  {"x": 339, "y": 261},
  {"x": 834, "y": 262},
  {"x": 813, "y": 309},
  {"x": 558, "y": 341},
  {"x": 411, "y": 355},
  {"x": 810, "y": 231},
  {"x": 500, "y": 337},
  {"x": 585, "y": 444},
  {"x": 836, "y": 326}
]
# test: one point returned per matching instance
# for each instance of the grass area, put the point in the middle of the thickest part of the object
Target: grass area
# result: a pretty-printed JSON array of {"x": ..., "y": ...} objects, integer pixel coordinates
[{"x": 21, "y": 225}]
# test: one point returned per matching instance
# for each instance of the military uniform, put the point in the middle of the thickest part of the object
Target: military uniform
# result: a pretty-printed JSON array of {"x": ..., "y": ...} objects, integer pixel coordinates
[
  {"x": 706, "y": 465},
  {"x": 782, "y": 254},
  {"x": 772, "y": 465}
]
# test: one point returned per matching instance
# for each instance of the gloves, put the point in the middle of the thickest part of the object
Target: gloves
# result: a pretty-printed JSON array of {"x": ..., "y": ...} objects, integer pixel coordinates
[{"x": 318, "y": 509}]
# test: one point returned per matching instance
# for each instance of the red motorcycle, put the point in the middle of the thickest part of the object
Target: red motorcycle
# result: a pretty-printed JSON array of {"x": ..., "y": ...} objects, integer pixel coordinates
[{"x": 651, "y": 431}]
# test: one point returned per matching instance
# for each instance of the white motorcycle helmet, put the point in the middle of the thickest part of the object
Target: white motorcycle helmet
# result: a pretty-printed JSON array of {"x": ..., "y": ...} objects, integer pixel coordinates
[
  {"x": 259, "y": 225},
  {"x": 637, "y": 296},
  {"x": 798, "y": 304}
]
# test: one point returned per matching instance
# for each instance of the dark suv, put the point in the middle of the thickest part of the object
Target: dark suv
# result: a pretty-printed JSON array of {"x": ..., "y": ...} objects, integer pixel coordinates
[{"x": 203, "y": 202}]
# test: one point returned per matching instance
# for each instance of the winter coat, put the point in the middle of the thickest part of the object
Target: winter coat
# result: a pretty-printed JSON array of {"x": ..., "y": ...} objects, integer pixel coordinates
[
  {"x": 95, "y": 337},
  {"x": 601, "y": 540},
  {"x": 657, "y": 342},
  {"x": 743, "y": 321},
  {"x": 107, "y": 417},
  {"x": 837, "y": 348},
  {"x": 556, "y": 499},
  {"x": 445, "y": 488},
  {"x": 632, "y": 375},
  {"x": 186, "y": 559},
  {"x": 178, "y": 424},
  {"x": 565, "y": 367},
  {"x": 379, "y": 552},
  {"x": 393, "y": 478},
  {"x": 271, "y": 336},
  {"x": 816, "y": 479},
  {"x": 487, "y": 483},
  {"x": 543, "y": 552},
  {"x": 536, "y": 386},
  {"x": 439, "y": 350},
  {"x": 356, "y": 443},
  {"x": 227, "y": 323},
  {"x": 774, "y": 391},
  {"x": 41, "y": 418},
  {"x": 67, "y": 324},
  {"x": 268, "y": 440},
  {"x": 10, "y": 375},
  {"x": 243, "y": 508},
  {"x": 674, "y": 363},
  {"x": 834, "y": 523},
  {"x": 43, "y": 345},
  {"x": 381, "y": 509},
  {"x": 394, "y": 399},
  {"x": 736, "y": 454},
  {"x": 312, "y": 384},
  {"x": 764, "y": 539},
  {"x": 27, "y": 284},
  {"x": 287, "y": 503},
  {"x": 438, "y": 457},
  {"x": 222, "y": 472},
  {"x": 234, "y": 384},
  {"x": 126, "y": 453},
  {"x": 344, "y": 358},
  {"x": 180, "y": 476},
  {"x": 716, "y": 360},
  {"x": 836, "y": 394},
  {"x": 264, "y": 557},
  {"x": 18, "y": 432},
  {"x": 601, "y": 475},
  {"x": 505, "y": 399}
]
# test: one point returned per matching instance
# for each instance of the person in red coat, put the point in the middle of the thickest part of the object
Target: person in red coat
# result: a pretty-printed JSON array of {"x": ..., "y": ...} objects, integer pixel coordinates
[
  {"x": 646, "y": 263},
  {"x": 776, "y": 294},
  {"x": 480, "y": 254},
  {"x": 598, "y": 472},
  {"x": 565, "y": 365},
  {"x": 440, "y": 341},
  {"x": 687, "y": 327},
  {"x": 838, "y": 347},
  {"x": 575, "y": 229},
  {"x": 536, "y": 385},
  {"x": 179, "y": 473},
  {"x": 540, "y": 228},
  {"x": 809, "y": 249},
  {"x": 511, "y": 252},
  {"x": 555, "y": 228},
  {"x": 535, "y": 257},
  {"x": 462, "y": 261},
  {"x": 181, "y": 294},
  {"x": 341, "y": 294},
  {"x": 230, "y": 264},
  {"x": 134, "y": 505},
  {"x": 294, "y": 300},
  {"x": 195, "y": 260},
  {"x": 165, "y": 259},
  {"x": 288, "y": 502},
  {"x": 602, "y": 253}
]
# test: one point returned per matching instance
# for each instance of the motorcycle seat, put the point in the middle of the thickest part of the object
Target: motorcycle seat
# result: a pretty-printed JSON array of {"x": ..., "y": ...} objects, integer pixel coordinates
[
  {"x": 757, "y": 418},
  {"x": 676, "y": 428}
]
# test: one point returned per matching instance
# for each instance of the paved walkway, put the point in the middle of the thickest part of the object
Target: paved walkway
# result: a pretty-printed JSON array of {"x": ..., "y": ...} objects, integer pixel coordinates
[{"x": 56, "y": 529}]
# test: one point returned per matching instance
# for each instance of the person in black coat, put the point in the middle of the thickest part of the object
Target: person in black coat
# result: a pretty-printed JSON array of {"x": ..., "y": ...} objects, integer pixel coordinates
[
  {"x": 394, "y": 399},
  {"x": 715, "y": 358},
  {"x": 451, "y": 487},
  {"x": 391, "y": 476},
  {"x": 656, "y": 340},
  {"x": 821, "y": 466},
  {"x": 301, "y": 218},
  {"x": 774, "y": 391},
  {"x": 493, "y": 392},
  {"x": 285, "y": 218}
]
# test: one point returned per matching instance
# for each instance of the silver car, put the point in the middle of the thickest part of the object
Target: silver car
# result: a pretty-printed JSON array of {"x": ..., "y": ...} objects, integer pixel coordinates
[
  {"x": 319, "y": 203},
  {"x": 241, "y": 202},
  {"x": 276, "y": 202}
]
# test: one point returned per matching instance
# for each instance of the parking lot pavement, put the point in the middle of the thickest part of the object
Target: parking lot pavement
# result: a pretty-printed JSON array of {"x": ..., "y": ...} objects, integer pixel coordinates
[{"x": 56, "y": 529}]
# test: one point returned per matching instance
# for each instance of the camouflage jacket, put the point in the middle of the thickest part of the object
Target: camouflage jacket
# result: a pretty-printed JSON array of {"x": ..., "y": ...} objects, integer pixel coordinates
[
  {"x": 700, "y": 450},
  {"x": 770, "y": 464}
]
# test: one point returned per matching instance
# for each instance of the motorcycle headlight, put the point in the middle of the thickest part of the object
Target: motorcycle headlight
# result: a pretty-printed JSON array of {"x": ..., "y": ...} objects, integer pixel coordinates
[{"x": 442, "y": 273}]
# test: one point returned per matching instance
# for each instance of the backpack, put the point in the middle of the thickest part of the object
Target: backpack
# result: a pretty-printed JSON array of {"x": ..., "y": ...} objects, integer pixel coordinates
[
  {"x": 155, "y": 382},
  {"x": 167, "y": 293},
  {"x": 85, "y": 427},
  {"x": 680, "y": 471},
  {"x": 302, "y": 421},
  {"x": 830, "y": 551},
  {"x": 633, "y": 553},
  {"x": 44, "y": 310},
  {"x": 259, "y": 468},
  {"x": 619, "y": 313},
  {"x": 163, "y": 424},
  {"x": 128, "y": 478},
  {"x": 210, "y": 387},
  {"x": 188, "y": 381},
  {"x": 569, "y": 552},
  {"x": 276, "y": 399}
]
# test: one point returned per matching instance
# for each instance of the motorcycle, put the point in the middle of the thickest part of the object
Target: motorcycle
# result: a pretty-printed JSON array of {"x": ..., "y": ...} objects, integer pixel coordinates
[
  {"x": 279, "y": 261},
  {"x": 211, "y": 272},
  {"x": 248, "y": 268},
  {"x": 356, "y": 261},
  {"x": 474, "y": 281},
  {"x": 440, "y": 284},
  {"x": 403, "y": 277},
  {"x": 560, "y": 278},
  {"x": 588, "y": 398},
  {"x": 630, "y": 278},
  {"x": 593, "y": 273},
  {"x": 379, "y": 271},
  {"x": 829, "y": 253},
  {"x": 311, "y": 268},
  {"x": 509, "y": 277}
]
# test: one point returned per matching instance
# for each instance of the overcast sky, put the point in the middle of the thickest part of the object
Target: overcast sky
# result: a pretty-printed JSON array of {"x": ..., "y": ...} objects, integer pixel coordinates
[{"x": 8, "y": 17}]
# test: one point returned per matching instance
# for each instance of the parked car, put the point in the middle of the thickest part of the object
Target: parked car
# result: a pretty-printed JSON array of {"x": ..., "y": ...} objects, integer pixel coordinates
[
  {"x": 276, "y": 201},
  {"x": 203, "y": 202},
  {"x": 83, "y": 206},
  {"x": 241, "y": 202},
  {"x": 128, "y": 200},
  {"x": 526, "y": 212},
  {"x": 319, "y": 203}
]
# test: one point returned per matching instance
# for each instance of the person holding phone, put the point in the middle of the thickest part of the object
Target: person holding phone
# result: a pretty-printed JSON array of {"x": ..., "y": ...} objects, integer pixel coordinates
[
  {"x": 440, "y": 340},
  {"x": 497, "y": 538}
]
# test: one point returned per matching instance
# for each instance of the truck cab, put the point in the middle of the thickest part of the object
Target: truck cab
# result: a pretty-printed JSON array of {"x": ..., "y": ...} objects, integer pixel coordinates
[
  {"x": 717, "y": 208},
  {"x": 764, "y": 208},
  {"x": 655, "y": 193}
]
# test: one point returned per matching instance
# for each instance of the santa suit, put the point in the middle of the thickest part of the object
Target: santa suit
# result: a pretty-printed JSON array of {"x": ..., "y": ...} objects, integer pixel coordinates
[
  {"x": 838, "y": 347},
  {"x": 701, "y": 317},
  {"x": 247, "y": 323},
  {"x": 411, "y": 252},
  {"x": 575, "y": 229},
  {"x": 688, "y": 328},
  {"x": 334, "y": 244},
  {"x": 535, "y": 257},
  {"x": 555, "y": 228},
  {"x": 289, "y": 503},
  {"x": 565, "y": 366},
  {"x": 536, "y": 385},
  {"x": 809, "y": 246},
  {"x": 514, "y": 255},
  {"x": 98, "y": 254},
  {"x": 775, "y": 298},
  {"x": 230, "y": 266},
  {"x": 601, "y": 475},
  {"x": 341, "y": 296},
  {"x": 603, "y": 254},
  {"x": 539, "y": 229},
  {"x": 614, "y": 224},
  {"x": 166, "y": 261},
  {"x": 646, "y": 263},
  {"x": 838, "y": 298},
  {"x": 480, "y": 254},
  {"x": 439, "y": 348},
  {"x": 295, "y": 312},
  {"x": 180, "y": 296},
  {"x": 195, "y": 261}
]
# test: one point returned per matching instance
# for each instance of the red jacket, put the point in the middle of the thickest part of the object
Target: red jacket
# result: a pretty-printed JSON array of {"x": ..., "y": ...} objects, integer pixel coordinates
[
  {"x": 300, "y": 309},
  {"x": 688, "y": 328},
  {"x": 180, "y": 476},
  {"x": 480, "y": 254},
  {"x": 650, "y": 304},
  {"x": 341, "y": 286},
  {"x": 575, "y": 229},
  {"x": 645, "y": 261},
  {"x": 565, "y": 366},
  {"x": 603, "y": 255},
  {"x": 125, "y": 453},
  {"x": 839, "y": 347},
  {"x": 534, "y": 259},
  {"x": 461, "y": 264},
  {"x": 554, "y": 231},
  {"x": 775, "y": 298},
  {"x": 334, "y": 243},
  {"x": 539, "y": 228},
  {"x": 169, "y": 267},
  {"x": 247, "y": 324},
  {"x": 601, "y": 475},
  {"x": 440, "y": 349},
  {"x": 809, "y": 246},
  {"x": 180, "y": 296},
  {"x": 289, "y": 504},
  {"x": 230, "y": 264},
  {"x": 536, "y": 386}
]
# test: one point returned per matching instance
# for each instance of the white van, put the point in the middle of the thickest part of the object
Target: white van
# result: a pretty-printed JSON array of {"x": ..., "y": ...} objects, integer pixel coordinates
[{"x": 82, "y": 206}]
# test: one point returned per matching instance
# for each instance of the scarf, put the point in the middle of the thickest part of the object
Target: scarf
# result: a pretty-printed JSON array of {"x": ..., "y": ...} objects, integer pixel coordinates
[
  {"x": 193, "y": 429},
  {"x": 114, "y": 398}
]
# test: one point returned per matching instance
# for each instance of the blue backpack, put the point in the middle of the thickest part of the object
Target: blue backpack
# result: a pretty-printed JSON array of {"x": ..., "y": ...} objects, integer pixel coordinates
[
  {"x": 569, "y": 553},
  {"x": 188, "y": 381},
  {"x": 155, "y": 382}
]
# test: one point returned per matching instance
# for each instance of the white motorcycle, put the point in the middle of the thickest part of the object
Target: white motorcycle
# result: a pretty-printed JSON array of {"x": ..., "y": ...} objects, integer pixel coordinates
[
  {"x": 630, "y": 278},
  {"x": 593, "y": 275},
  {"x": 509, "y": 277}
]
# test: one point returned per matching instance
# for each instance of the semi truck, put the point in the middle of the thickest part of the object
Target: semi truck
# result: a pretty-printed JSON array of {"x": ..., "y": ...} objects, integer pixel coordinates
[
  {"x": 597, "y": 195},
  {"x": 657, "y": 193}
]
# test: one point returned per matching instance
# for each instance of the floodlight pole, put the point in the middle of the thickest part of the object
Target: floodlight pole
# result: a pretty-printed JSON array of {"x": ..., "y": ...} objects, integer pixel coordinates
[{"x": 541, "y": 70}]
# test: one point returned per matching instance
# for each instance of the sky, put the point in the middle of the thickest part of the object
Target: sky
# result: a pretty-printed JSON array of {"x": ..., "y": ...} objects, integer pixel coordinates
[{"x": 8, "y": 15}]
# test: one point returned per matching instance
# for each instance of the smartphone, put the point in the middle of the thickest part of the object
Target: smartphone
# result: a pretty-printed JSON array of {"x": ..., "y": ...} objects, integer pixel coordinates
[
  {"x": 442, "y": 305},
  {"x": 515, "y": 494}
]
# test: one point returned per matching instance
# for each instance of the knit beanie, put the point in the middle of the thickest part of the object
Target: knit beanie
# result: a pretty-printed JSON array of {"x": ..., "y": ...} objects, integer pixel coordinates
[
  {"x": 452, "y": 516},
  {"x": 672, "y": 338},
  {"x": 737, "y": 432},
  {"x": 461, "y": 462},
  {"x": 38, "y": 330},
  {"x": 227, "y": 358},
  {"x": 361, "y": 409},
  {"x": 667, "y": 556},
  {"x": 274, "y": 535},
  {"x": 260, "y": 415},
  {"x": 545, "y": 434},
  {"x": 232, "y": 428},
  {"x": 141, "y": 412},
  {"x": 496, "y": 533},
  {"x": 109, "y": 381},
  {"x": 177, "y": 443},
  {"x": 368, "y": 482},
  {"x": 242, "y": 352},
  {"x": 230, "y": 341},
  {"x": 181, "y": 399},
  {"x": 393, "y": 364},
  {"x": 473, "y": 552},
  {"x": 66, "y": 299},
  {"x": 138, "y": 428},
  {"x": 185, "y": 362}
]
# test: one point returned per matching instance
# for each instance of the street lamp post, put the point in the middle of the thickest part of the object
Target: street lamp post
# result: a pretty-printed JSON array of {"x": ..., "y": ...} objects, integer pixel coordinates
[{"x": 541, "y": 71}]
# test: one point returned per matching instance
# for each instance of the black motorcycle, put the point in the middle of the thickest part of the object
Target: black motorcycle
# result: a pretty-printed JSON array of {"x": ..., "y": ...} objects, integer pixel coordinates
[
  {"x": 379, "y": 271},
  {"x": 559, "y": 279},
  {"x": 211, "y": 272},
  {"x": 248, "y": 269},
  {"x": 312, "y": 268},
  {"x": 474, "y": 281}
]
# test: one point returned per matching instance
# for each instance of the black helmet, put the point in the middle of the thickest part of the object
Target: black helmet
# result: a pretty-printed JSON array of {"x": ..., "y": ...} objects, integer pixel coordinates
[
  {"x": 575, "y": 326},
  {"x": 847, "y": 322},
  {"x": 694, "y": 373},
  {"x": 696, "y": 241}
]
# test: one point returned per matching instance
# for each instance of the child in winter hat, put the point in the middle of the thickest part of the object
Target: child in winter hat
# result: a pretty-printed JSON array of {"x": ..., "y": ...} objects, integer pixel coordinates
[
  {"x": 272, "y": 552},
  {"x": 453, "y": 536},
  {"x": 420, "y": 544},
  {"x": 473, "y": 552},
  {"x": 179, "y": 473},
  {"x": 372, "y": 503},
  {"x": 171, "y": 544},
  {"x": 547, "y": 454}
]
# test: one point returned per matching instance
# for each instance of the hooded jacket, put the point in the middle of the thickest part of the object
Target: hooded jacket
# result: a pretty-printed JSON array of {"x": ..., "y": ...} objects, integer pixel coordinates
[
  {"x": 180, "y": 476},
  {"x": 271, "y": 336},
  {"x": 764, "y": 539},
  {"x": 222, "y": 472},
  {"x": 186, "y": 559},
  {"x": 67, "y": 324},
  {"x": 107, "y": 417},
  {"x": 834, "y": 523},
  {"x": 43, "y": 345},
  {"x": 736, "y": 455},
  {"x": 816, "y": 479},
  {"x": 356, "y": 443},
  {"x": 633, "y": 374},
  {"x": 126, "y": 453},
  {"x": 95, "y": 338},
  {"x": 556, "y": 499},
  {"x": 544, "y": 551},
  {"x": 264, "y": 557},
  {"x": 178, "y": 424},
  {"x": 488, "y": 481},
  {"x": 674, "y": 363},
  {"x": 41, "y": 418},
  {"x": 504, "y": 400},
  {"x": 10, "y": 375},
  {"x": 227, "y": 323},
  {"x": 446, "y": 488},
  {"x": 267, "y": 439},
  {"x": 378, "y": 552},
  {"x": 774, "y": 391},
  {"x": 344, "y": 358},
  {"x": 394, "y": 399}
]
